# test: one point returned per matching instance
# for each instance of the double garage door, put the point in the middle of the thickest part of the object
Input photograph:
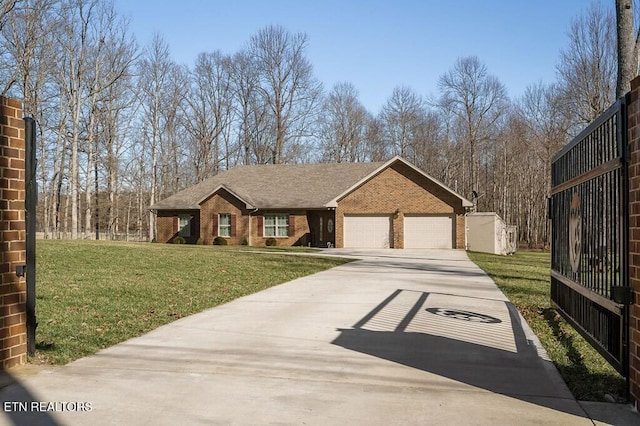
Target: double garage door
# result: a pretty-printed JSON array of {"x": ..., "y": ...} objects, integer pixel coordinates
[{"x": 419, "y": 231}]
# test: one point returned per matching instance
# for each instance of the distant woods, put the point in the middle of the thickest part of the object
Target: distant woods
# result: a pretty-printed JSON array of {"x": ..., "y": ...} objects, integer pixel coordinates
[{"x": 121, "y": 126}]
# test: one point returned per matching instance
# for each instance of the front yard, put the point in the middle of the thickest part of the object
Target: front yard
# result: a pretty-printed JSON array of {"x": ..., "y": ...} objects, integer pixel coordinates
[
  {"x": 525, "y": 279},
  {"x": 91, "y": 295}
]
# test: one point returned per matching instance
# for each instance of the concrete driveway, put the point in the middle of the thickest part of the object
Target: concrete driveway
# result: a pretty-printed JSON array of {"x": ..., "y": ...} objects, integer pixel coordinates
[{"x": 399, "y": 337}]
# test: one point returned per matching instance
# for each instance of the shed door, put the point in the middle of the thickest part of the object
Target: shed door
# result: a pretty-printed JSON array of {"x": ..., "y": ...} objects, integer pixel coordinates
[
  {"x": 367, "y": 231},
  {"x": 428, "y": 232}
]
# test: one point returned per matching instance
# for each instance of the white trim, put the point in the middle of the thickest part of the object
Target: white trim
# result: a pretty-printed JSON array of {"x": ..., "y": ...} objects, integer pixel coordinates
[
  {"x": 334, "y": 202},
  {"x": 277, "y": 226},
  {"x": 219, "y": 225}
]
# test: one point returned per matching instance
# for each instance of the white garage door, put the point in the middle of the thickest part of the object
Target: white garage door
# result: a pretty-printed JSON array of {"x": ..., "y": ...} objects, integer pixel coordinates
[
  {"x": 367, "y": 231},
  {"x": 428, "y": 232}
]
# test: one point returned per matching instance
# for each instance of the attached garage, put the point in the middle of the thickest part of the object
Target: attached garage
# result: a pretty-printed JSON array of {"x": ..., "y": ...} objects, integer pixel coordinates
[
  {"x": 367, "y": 231},
  {"x": 399, "y": 206},
  {"x": 428, "y": 232}
]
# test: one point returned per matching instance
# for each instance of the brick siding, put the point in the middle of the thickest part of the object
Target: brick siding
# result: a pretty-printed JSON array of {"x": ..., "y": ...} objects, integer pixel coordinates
[
  {"x": 223, "y": 203},
  {"x": 164, "y": 227},
  {"x": 13, "y": 326},
  {"x": 299, "y": 236},
  {"x": 165, "y": 232},
  {"x": 400, "y": 188}
]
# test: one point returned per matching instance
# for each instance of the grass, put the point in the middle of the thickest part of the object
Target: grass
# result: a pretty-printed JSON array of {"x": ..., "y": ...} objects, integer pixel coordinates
[
  {"x": 525, "y": 279},
  {"x": 91, "y": 295}
]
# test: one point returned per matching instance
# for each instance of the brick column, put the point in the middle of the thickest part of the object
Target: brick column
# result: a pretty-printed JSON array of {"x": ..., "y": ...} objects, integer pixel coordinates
[
  {"x": 13, "y": 328},
  {"x": 633, "y": 112},
  {"x": 398, "y": 230}
]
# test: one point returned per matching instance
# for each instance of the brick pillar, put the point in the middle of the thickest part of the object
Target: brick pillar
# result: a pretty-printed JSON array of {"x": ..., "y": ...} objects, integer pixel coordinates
[
  {"x": 398, "y": 230},
  {"x": 13, "y": 328},
  {"x": 633, "y": 112}
]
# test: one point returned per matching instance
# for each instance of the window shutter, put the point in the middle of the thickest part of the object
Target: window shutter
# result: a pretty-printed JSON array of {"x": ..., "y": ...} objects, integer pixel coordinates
[
  {"x": 175, "y": 224},
  {"x": 292, "y": 225},
  {"x": 260, "y": 226},
  {"x": 233, "y": 225},
  {"x": 215, "y": 225}
]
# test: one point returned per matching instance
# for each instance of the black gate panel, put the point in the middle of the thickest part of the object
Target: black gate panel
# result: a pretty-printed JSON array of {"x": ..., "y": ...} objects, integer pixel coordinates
[{"x": 589, "y": 216}]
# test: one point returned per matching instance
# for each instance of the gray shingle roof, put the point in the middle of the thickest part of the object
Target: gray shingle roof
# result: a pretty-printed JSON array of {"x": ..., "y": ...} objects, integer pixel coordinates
[{"x": 283, "y": 186}]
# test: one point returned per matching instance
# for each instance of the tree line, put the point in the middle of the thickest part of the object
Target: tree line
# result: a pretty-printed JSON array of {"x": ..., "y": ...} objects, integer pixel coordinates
[{"x": 121, "y": 126}]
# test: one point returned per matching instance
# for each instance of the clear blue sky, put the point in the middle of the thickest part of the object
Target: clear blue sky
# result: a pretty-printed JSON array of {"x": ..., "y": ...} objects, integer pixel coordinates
[{"x": 376, "y": 45}]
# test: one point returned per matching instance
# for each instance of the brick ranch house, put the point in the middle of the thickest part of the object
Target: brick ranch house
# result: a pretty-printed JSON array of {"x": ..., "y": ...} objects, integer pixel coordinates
[{"x": 367, "y": 205}]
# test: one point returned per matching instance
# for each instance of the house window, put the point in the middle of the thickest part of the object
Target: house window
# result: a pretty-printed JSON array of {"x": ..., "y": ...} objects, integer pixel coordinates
[
  {"x": 224, "y": 225},
  {"x": 184, "y": 225},
  {"x": 321, "y": 230},
  {"x": 276, "y": 225}
]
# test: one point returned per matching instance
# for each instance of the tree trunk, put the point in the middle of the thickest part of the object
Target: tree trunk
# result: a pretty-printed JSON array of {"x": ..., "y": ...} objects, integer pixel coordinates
[
  {"x": 627, "y": 64},
  {"x": 89, "y": 184}
]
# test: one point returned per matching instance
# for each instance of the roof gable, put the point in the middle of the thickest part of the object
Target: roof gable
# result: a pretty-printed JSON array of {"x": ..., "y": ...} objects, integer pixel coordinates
[{"x": 334, "y": 201}]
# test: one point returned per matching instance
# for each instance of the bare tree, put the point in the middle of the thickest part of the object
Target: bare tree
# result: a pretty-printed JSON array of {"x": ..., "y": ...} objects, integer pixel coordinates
[
  {"x": 401, "y": 118},
  {"x": 375, "y": 147},
  {"x": 6, "y": 8},
  {"x": 430, "y": 149},
  {"x": 540, "y": 110},
  {"x": 251, "y": 111},
  {"x": 476, "y": 100},
  {"x": 154, "y": 70},
  {"x": 110, "y": 60},
  {"x": 288, "y": 86},
  {"x": 210, "y": 113},
  {"x": 26, "y": 34},
  {"x": 174, "y": 137},
  {"x": 114, "y": 129},
  {"x": 587, "y": 68},
  {"x": 75, "y": 41},
  {"x": 342, "y": 125},
  {"x": 26, "y": 37}
]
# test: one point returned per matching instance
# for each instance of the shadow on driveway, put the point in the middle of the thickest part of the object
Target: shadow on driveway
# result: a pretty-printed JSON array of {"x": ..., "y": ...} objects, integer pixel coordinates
[
  {"x": 20, "y": 407},
  {"x": 486, "y": 347}
]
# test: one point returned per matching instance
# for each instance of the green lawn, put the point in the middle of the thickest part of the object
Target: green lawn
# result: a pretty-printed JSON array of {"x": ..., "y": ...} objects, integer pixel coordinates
[
  {"x": 525, "y": 279},
  {"x": 91, "y": 295}
]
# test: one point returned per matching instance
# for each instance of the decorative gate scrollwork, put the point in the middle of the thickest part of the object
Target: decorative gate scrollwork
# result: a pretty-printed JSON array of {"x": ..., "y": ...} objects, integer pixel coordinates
[{"x": 588, "y": 209}]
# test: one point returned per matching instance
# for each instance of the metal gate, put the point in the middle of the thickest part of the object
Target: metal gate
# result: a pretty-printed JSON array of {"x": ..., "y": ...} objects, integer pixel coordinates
[{"x": 588, "y": 208}]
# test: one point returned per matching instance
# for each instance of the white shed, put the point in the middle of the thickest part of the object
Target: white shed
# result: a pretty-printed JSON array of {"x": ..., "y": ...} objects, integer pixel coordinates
[{"x": 487, "y": 232}]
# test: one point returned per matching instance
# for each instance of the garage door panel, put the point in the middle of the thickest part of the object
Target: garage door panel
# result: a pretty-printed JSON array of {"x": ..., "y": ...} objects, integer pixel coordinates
[
  {"x": 367, "y": 231},
  {"x": 428, "y": 232}
]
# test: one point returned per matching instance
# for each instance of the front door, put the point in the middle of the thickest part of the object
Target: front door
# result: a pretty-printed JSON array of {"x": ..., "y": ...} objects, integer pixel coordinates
[{"x": 322, "y": 228}]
